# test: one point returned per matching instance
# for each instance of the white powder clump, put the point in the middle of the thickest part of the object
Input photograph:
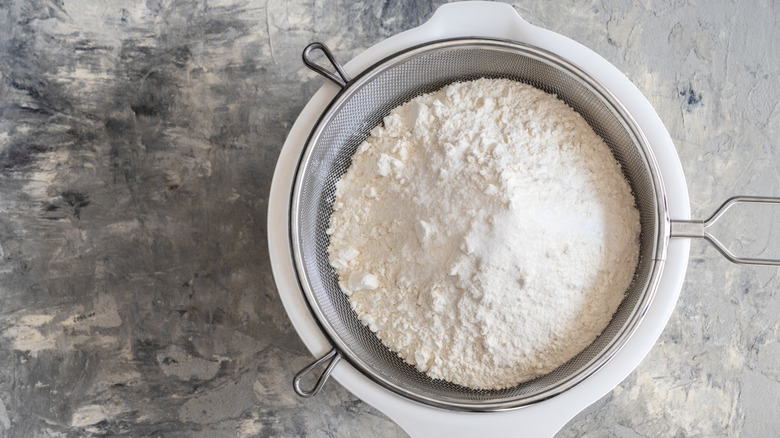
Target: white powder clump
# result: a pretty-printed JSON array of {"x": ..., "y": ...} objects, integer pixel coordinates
[{"x": 485, "y": 233}]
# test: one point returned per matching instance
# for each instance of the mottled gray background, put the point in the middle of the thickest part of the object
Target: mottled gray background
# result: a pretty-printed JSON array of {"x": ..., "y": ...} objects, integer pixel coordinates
[{"x": 137, "y": 144}]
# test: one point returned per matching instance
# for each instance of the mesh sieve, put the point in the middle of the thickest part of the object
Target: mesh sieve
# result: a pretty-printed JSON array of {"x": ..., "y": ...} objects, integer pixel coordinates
[{"x": 362, "y": 103}]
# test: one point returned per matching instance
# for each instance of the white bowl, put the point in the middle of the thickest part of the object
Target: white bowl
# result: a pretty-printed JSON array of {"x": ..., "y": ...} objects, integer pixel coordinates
[{"x": 543, "y": 419}]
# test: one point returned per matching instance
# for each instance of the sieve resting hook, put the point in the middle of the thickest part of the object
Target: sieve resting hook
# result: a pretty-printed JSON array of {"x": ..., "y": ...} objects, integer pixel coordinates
[
  {"x": 341, "y": 80},
  {"x": 333, "y": 356},
  {"x": 699, "y": 229}
]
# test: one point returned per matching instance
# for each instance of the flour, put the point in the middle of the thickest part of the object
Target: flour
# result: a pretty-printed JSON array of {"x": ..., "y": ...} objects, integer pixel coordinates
[{"x": 485, "y": 233}]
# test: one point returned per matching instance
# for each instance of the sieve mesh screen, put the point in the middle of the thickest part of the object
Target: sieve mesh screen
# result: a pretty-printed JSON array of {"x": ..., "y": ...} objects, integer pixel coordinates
[{"x": 361, "y": 106}]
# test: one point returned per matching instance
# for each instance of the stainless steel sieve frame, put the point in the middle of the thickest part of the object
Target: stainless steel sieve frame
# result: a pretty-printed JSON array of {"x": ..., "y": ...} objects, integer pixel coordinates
[
  {"x": 654, "y": 241},
  {"x": 486, "y": 400}
]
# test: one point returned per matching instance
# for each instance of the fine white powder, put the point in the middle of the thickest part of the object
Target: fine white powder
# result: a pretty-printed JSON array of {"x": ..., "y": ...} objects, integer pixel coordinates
[{"x": 485, "y": 233}]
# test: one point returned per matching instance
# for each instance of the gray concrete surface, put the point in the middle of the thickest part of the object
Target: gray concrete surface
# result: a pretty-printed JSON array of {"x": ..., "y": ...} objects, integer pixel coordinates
[{"x": 137, "y": 144}]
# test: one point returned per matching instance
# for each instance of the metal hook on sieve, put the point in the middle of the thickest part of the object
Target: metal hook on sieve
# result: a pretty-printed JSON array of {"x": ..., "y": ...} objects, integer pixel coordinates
[
  {"x": 699, "y": 229},
  {"x": 333, "y": 356},
  {"x": 341, "y": 80}
]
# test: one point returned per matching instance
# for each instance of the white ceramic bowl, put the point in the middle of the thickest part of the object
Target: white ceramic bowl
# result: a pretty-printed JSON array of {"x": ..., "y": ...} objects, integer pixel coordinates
[{"x": 545, "y": 418}]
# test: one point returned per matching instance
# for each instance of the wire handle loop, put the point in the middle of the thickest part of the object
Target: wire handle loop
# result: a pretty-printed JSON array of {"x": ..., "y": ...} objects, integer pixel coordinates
[
  {"x": 699, "y": 229},
  {"x": 333, "y": 356},
  {"x": 341, "y": 80}
]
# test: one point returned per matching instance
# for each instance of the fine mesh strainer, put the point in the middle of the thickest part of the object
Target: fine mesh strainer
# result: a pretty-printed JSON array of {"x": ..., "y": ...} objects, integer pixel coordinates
[{"x": 362, "y": 103}]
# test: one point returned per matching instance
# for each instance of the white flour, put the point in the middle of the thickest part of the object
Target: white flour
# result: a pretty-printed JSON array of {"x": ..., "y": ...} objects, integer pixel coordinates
[{"x": 485, "y": 233}]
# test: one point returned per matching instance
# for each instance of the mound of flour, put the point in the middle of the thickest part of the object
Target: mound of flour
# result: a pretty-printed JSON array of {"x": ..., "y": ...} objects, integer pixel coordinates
[{"x": 485, "y": 233}]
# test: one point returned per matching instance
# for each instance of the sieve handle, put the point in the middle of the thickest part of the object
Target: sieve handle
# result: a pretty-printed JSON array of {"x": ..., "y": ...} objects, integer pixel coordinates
[
  {"x": 699, "y": 229},
  {"x": 333, "y": 356},
  {"x": 341, "y": 80}
]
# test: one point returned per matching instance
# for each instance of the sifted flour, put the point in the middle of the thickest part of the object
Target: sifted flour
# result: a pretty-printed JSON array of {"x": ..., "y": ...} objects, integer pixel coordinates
[{"x": 485, "y": 233}]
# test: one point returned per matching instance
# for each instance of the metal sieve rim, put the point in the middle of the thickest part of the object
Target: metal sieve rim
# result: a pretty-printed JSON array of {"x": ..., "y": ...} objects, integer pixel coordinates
[{"x": 660, "y": 240}]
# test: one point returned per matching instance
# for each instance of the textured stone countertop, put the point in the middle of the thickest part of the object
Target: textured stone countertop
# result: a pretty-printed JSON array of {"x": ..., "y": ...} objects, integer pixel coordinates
[{"x": 138, "y": 139}]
